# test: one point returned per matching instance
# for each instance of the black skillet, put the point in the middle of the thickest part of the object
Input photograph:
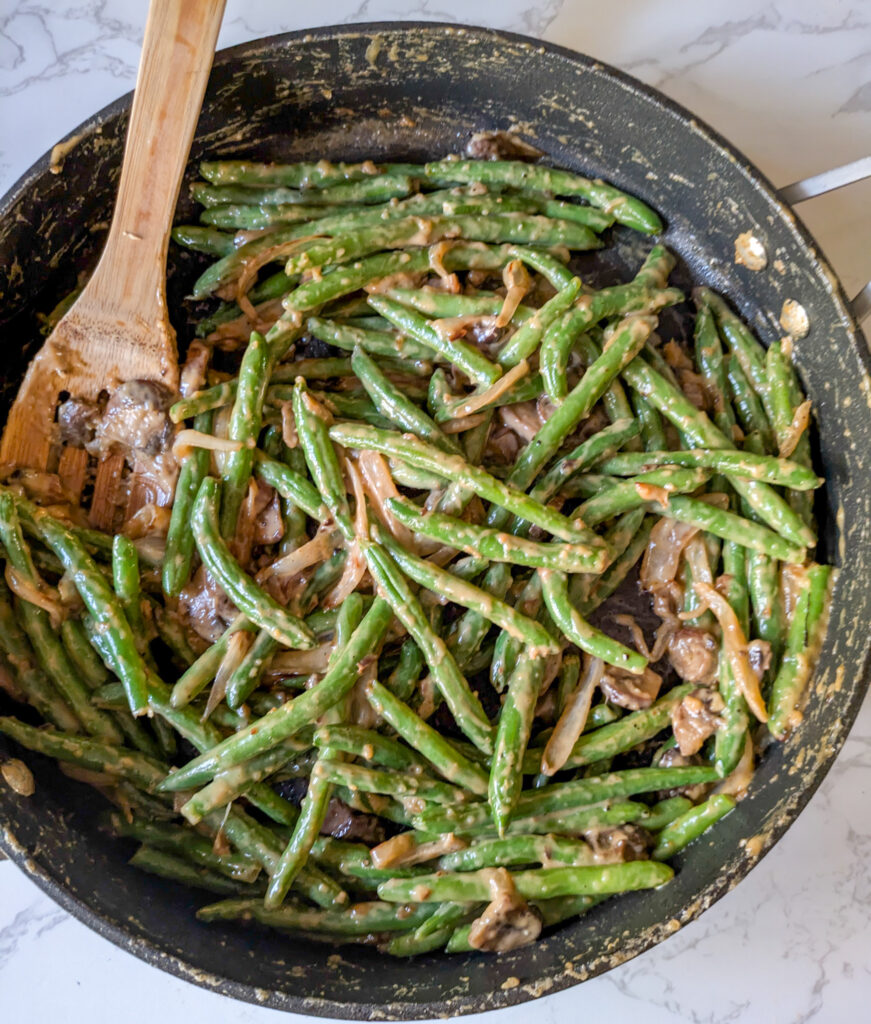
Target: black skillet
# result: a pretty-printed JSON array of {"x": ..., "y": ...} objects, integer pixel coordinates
[{"x": 411, "y": 92}]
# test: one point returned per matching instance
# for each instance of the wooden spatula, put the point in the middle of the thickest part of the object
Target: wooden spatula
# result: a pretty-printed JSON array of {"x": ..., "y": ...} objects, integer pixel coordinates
[{"x": 119, "y": 329}]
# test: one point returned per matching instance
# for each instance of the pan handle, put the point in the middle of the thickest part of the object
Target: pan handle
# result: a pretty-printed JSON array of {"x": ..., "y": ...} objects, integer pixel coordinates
[{"x": 819, "y": 185}]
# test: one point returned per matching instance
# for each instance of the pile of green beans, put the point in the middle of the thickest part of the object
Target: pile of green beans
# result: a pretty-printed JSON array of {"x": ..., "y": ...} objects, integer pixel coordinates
[{"x": 467, "y": 449}]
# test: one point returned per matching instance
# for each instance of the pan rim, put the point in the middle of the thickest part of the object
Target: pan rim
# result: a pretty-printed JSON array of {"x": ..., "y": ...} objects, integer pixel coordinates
[{"x": 154, "y": 954}]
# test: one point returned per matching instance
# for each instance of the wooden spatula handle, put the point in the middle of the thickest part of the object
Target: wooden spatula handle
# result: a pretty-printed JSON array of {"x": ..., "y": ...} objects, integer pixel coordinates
[{"x": 177, "y": 53}]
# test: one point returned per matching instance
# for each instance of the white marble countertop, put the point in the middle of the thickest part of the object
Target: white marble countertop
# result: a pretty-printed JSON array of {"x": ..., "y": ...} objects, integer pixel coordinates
[{"x": 790, "y": 84}]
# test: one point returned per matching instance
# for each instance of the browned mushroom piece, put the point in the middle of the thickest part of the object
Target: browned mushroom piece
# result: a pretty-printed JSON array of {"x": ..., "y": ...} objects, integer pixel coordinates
[
  {"x": 696, "y": 718},
  {"x": 628, "y": 690},
  {"x": 204, "y": 607},
  {"x": 500, "y": 146},
  {"x": 136, "y": 418},
  {"x": 694, "y": 654},
  {"x": 342, "y": 822},
  {"x": 507, "y": 922},
  {"x": 619, "y": 845}
]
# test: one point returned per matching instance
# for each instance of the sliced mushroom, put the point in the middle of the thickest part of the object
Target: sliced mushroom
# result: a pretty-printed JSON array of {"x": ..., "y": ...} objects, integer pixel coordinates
[
  {"x": 508, "y": 922},
  {"x": 694, "y": 654},
  {"x": 673, "y": 758},
  {"x": 630, "y": 691},
  {"x": 619, "y": 845},
  {"x": 696, "y": 718}
]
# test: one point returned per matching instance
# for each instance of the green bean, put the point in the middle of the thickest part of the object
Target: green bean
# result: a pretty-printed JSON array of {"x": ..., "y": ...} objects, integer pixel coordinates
[
  {"x": 785, "y": 396},
  {"x": 376, "y": 189},
  {"x": 445, "y": 584},
  {"x": 50, "y": 652},
  {"x": 395, "y": 406},
  {"x": 494, "y": 228},
  {"x": 771, "y": 470},
  {"x": 540, "y": 883},
  {"x": 92, "y": 754},
  {"x": 666, "y": 811},
  {"x": 187, "y": 844},
  {"x": 125, "y": 576},
  {"x": 729, "y": 526},
  {"x": 790, "y": 682},
  {"x": 300, "y": 175},
  {"x": 438, "y": 304},
  {"x": 458, "y": 352},
  {"x": 292, "y": 486},
  {"x": 506, "y": 651},
  {"x": 434, "y": 932},
  {"x": 203, "y": 670},
  {"x": 709, "y": 359},
  {"x": 512, "y": 737},
  {"x": 261, "y": 609},
  {"x": 690, "y": 825},
  {"x": 551, "y": 266},
  {"x": 244, "y": 427},
  {"x": 452, "y": 467},
  {"x": 602, "y": 445},
  {"x": 204, "y": 239},
  {"x": 625, "y": 495},
  {"x": 537, "y": 178},
  {"x": 98, "y": 598},
  {"x": 285, "y": 721},
  {"x": 628, "y": 732},
  {"x": 35, "y": 686},
  {"x": 238, "y": 781},
  {"x": 527, "y": 337},
  {"x": 452, "y": 684},
  {"x": 245, "y": 678},
  {"x": 348, "y": 277},
  {"x": 396, "y": 784},
  {"x": 403, "y": 680},
  {"x": 576, "y": 629},
  {"x": 378, "y": 343},
  {"x": 82, "y": 655},
  {"x": 534, "y": 849},
  {"x": 360, "y": 919},
  {"x": 321, "y": 458},
  {"x": 627, "y": 340},
  {"x": 178, "y": 869},
  {"x": 701, "y": 432},
  {"x": 438, "y": 751},
  {"x": 751, "y": 414},
  {"x": 556, "y": 348},
  {"x": 381, "y": 750}
]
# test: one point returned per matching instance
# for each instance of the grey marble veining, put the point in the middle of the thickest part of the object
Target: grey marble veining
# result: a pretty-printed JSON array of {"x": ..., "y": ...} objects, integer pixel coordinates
[{"x": 790, "y": 84}]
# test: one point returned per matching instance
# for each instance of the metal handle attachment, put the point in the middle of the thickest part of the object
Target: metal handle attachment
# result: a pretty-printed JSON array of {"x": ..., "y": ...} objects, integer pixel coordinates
[{"x": 819, "y": 185}]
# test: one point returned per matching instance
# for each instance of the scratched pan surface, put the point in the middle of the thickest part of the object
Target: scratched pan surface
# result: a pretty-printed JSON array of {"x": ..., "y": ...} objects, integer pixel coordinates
[{"x": 412, "y": 92}]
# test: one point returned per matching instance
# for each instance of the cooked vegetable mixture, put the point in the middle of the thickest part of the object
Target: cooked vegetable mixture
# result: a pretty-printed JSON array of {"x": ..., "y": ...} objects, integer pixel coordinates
[{"x": 448, "y": 598}]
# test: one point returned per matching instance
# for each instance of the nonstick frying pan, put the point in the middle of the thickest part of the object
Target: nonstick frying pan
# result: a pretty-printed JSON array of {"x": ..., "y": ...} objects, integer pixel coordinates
[{"x": 410, "y": 92}]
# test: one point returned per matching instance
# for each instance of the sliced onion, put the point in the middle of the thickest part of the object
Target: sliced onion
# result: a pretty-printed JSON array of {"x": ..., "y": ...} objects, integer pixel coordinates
[
  {"x": 573, "y": 719},
  {"x": 734, "y": 647},
  {"x": 349, "y": 581},
  {"x": 477, "y": 401},
  {"x": 288, "y": 426},
  {"x": 662, "y": 555},
  {"x": 792, "y": 434},
  {"x": 522, "y": 418},
  {"x": 318, "y": 549},
  {"x": 452, "y": 327},
  {"x": 466, "y": 423},
  {"x": 379, "y": 486},
  {"x": 186, "y": 440},
  {"x": 237, "y": 648},
  {"x": 517, "y": 281},
  {"x": 30, "y": 592},
  {"x": 299, "y": 663},
  {"x": 696, "y": 555}
]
